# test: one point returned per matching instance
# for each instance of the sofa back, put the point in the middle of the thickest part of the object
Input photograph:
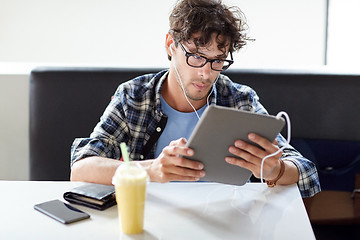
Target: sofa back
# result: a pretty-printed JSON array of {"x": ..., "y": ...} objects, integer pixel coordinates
[{"x": 323, "y": 106}]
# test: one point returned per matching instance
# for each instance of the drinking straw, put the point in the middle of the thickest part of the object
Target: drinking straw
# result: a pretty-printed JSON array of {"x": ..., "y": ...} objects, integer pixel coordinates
[{"x": 124, "y": 152}]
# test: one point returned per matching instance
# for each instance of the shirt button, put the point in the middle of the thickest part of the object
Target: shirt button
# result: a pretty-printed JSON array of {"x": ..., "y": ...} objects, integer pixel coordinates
[
  {"x": 158, "y": 129},
  {"x": 141, "y": 156}
]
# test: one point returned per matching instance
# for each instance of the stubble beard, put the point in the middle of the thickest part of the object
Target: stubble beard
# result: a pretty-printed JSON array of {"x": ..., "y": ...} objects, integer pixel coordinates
[{"x": 194, "y": 97}]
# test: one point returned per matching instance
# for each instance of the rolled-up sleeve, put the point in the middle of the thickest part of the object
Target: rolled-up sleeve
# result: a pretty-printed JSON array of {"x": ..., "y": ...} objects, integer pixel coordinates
[
  {"x": 106, "y": 137},
  {"x": 87, "y": 147},
  {"x": 308, "y": 183}
]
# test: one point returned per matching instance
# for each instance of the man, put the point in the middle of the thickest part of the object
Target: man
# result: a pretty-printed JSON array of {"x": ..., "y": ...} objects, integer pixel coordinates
[{"x": 155, "y": 114}]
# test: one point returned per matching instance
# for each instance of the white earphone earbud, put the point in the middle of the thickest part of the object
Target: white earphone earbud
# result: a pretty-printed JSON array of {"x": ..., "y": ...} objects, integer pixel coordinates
[{"x": 171, "y": 49}]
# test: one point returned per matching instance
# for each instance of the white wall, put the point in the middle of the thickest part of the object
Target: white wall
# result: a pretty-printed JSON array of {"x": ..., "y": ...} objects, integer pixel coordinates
[
  {"x": 14, "y": 144},
  {"x": 344, "y": 34},
  {"x": 128, "y": 34}
]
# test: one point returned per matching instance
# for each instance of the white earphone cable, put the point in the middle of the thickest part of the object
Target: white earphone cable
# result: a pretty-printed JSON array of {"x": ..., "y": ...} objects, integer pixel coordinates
[
  {"x": 280, "y": 149},
  {"x": 182, "y": 87}
]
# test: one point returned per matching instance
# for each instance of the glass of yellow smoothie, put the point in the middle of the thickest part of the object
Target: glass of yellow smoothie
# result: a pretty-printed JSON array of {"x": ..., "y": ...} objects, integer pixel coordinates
[{"x": 130, "y": 188}]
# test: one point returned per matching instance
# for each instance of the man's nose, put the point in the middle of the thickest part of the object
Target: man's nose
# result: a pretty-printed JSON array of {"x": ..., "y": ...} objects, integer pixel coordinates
[{"x": 205, "y": 71}]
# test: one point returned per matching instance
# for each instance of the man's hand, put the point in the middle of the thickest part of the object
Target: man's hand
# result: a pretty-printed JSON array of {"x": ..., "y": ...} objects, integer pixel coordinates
[
  {"x": 251, "y": 156},
  {"x": 170, "y": 166}
]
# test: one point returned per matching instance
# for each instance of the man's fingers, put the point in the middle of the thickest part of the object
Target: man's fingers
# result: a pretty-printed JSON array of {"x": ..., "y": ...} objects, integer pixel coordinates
[
  {"x": 263, "y": 142},
  {"x": 174, "y": 177},
  {"x": 182, "y": 162},
  {"x": 243, "y": 147},
  {"x": 242, "y": 163},
  {"x": 180, "y": 141},
  {"x": 172, "y": 164},
  {"x": 171, "y": 171},
  {"x": 175, "y": 150},
  {"x": 186, "y": 172},
  {"x": 244, "y": 154}
]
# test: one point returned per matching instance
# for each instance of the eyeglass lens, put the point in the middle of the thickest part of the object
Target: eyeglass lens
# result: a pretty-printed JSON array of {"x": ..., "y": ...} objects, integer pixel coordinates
[{"x": 199, "y": 61}]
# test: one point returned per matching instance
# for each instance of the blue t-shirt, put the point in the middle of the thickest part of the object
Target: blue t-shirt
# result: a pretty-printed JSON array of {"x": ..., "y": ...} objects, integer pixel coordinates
[{"x": 179, "y": 124}]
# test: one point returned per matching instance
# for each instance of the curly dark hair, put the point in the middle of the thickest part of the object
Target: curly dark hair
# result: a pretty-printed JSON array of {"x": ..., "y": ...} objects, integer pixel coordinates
[{"x": 208, "y": 17}]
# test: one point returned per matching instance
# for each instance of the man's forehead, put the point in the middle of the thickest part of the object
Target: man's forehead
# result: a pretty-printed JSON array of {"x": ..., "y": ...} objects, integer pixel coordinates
[{"x": 212, "y": 46}]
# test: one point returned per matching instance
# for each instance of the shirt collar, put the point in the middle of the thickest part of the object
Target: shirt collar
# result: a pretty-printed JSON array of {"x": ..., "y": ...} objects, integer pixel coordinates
[
  {"x": 214, "y": 92},
  {"x": 158, "y": 91},
  {"x": 212, "y": 98}
]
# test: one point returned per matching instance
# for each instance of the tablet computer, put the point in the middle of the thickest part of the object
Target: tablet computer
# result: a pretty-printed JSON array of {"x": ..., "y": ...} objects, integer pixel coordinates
[{"x": 217, "y": 130}]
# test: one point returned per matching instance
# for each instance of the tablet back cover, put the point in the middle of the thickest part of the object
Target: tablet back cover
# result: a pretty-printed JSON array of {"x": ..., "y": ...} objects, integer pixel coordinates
[{"x": 217, "y": 130}]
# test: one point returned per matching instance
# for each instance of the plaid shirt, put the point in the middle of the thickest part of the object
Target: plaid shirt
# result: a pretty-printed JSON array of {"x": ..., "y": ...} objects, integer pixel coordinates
[{"x": 135, "y": 116}]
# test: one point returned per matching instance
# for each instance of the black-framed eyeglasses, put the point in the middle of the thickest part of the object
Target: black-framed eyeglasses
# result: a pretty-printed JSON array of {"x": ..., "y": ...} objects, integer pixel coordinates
[{"x": 196, "y": 61}]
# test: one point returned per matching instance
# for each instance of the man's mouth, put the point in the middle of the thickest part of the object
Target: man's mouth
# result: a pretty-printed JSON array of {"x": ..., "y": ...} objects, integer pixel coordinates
[{"x": 201, "y": 86}]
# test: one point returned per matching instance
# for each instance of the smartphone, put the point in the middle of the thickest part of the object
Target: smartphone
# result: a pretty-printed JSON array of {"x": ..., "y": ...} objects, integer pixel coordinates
[{"x": 61, "y": 211}]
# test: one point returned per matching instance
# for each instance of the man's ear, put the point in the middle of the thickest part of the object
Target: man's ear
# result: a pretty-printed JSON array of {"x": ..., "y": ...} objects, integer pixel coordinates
[{"x": 169, "y": 43}]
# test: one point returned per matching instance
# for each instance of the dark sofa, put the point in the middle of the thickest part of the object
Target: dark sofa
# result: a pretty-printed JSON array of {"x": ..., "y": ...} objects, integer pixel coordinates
[{"x": 323, "y": 105}]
